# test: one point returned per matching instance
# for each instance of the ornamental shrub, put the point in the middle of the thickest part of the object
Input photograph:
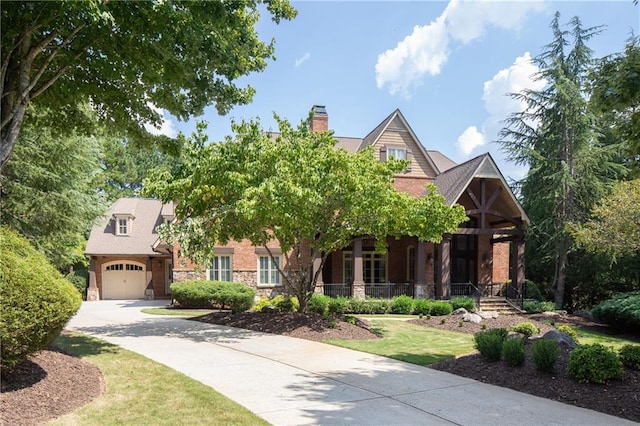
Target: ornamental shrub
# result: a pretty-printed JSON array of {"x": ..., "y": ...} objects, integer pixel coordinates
[
  {"x": 594, "y": 363},
  {"x": 441, "y": 307},
  {"x": 36, "y": 301},
  {"x": 513, "y": 352},
  {"x": 209, "y": 294},
  {"x": 630, "y": 356},
  {"x": 545, "y": 355},
  {"x": 422, "y": 307},
  {"x": 463, "y": 302},
  {"x": 526, "y": 328},
  {"x": 319, "y": 304},
  {"x": 536, "y": 307},
  {"x": 402, "y": 305},
  {"x": 489, "y": 343},
  {"x": 286, "y": 303},
  {"x": 357, "y": 306},
  {"x": 337, "y": 305},
  {"x": 379, "y": 306},
  {"x": 262, "y": 304},
  {"x": 621, "y": 312}
]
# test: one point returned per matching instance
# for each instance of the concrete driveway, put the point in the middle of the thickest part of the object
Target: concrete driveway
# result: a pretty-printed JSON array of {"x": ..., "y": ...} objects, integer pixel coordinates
[{"x": 291, "y": 381}]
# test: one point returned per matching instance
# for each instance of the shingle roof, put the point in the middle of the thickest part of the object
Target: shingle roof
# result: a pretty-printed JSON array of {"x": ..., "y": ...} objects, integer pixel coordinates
[
  {"x": 375, "y": 133},
  {"x": 348, "y": 144},
  {"x": 442, "y": 162},
  {"x": 147, "y": 216},
  {"x": 452, "y": 182}
]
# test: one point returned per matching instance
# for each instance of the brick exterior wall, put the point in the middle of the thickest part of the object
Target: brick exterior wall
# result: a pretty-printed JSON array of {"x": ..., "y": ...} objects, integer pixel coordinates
[
  {"x": 413, "y": 186},
  {"x": 500, "y": 262}
]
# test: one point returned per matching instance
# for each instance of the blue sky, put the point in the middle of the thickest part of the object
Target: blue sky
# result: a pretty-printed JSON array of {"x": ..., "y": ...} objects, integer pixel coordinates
[{"x": 446, "y": 65}]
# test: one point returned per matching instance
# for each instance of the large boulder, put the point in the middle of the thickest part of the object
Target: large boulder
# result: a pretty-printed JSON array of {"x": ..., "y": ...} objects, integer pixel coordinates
[
  {"x": 475, "y": 318},
  {"x": 460, "y": 311},
  {"x": 561, "y": 338}
]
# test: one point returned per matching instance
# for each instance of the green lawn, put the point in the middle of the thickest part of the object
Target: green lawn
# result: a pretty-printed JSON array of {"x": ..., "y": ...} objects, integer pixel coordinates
[
  {"x": 587, "y": 337},
  {"x": 411, "y": 343},
  {"x": 142, "y": 392}
]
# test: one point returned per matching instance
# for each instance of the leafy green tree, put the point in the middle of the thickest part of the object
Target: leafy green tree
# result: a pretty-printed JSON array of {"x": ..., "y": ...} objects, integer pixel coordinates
[
  {"x": 558, "y": 139},
  {"x": 125, "y": 166},
  {"x": 295, "y": 188},
  {"x": 614, "y": 229},
  {"x": 48, "y": 191},
  {"x": 124, "y": 58},
  {"x": 616, "y": 90}
]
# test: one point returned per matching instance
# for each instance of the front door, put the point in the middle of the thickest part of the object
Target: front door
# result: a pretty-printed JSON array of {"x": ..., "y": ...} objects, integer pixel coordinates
[{"x": 464, "y": 255}]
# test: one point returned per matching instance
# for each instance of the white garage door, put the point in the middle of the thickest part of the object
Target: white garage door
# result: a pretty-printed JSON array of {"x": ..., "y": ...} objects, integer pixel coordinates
[{"x": 123, "y": 280}]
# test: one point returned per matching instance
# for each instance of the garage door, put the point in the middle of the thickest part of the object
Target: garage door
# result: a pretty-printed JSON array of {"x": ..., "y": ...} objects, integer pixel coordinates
[{"x": 123, "y": 280}]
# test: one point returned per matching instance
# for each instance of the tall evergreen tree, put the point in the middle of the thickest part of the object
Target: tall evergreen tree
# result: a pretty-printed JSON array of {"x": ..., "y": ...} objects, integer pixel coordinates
[
  {"x": 558, "y": 139},
  {"x": 48, "y": 190}
]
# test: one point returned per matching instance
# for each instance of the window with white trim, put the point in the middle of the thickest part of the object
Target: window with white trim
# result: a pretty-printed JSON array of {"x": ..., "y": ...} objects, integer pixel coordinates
[
  {"x": 221, "y": 268},
  {"x": 268, "y": 273},
  {"x": 374, "y": 267},
  {"x": 397, "y": 153},
  {"x": 123, "y": 226}
]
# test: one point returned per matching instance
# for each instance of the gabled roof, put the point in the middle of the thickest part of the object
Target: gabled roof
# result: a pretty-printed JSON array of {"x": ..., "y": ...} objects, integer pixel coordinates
[
  {"x": 143, "y": 235},
  {"x": 375, "y": 134},
  {"x": 453, "y": 182}
]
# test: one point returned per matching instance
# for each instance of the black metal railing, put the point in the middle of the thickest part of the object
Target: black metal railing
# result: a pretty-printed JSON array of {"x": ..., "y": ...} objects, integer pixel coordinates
[
  {"x": 374, "y": 291},
  {"x": 466, "y": 289},
  {"x": 388, "y": 290},
  {"x": 515, "y": 296}
]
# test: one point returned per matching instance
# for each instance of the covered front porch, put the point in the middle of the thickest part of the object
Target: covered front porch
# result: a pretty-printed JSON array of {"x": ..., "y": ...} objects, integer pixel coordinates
[{"x": 477, "y": 260}]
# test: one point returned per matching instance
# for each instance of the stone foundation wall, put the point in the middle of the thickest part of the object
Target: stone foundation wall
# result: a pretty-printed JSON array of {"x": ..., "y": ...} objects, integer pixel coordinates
[{"x": 425, "y": 291}]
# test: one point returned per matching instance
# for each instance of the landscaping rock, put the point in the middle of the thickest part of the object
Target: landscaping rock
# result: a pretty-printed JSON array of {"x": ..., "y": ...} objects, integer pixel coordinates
[
  {"x": 460, "y": 311},
  {"x": 516, "y": 335},
  {"x": 561, "y": 338},
  {"x": 475, "y": 318}
]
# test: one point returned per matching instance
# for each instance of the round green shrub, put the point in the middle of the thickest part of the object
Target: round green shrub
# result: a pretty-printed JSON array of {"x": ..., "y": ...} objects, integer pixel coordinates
[
  {"x": 513, "y": 352},
  {"x": 630, "y": 356},
  {"x": 489, "y": 343},
  {"x": 422, "y": 307},
  {"x": 262, "y": 303},
  {"x": 545, "y": 355},
  {"x": 463, "y": 302},
  {"x": 620, "y": 312},
  {"x": 286, "y": 303},
  {"x": 526, "y": 328},
  {"x": 35, "y": 300},
  {"x": 337, "y": 305},
  {"x": 402, "y": 305},
  {"x": 379, "y": 307},
  {"x": 319, "y": 304},
  {"x": 594, "y": 364},
  {"x": 441, "y": 307},
  {"x": 357, "y": 306}
]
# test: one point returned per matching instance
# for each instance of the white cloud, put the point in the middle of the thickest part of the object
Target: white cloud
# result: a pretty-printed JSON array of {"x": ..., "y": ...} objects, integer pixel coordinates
[
  {"x": 497, "y": 102},
  {"x": 166, "y": 128},
  {"x": 469, "y": 140},
  {"x": 303, "y": 59},
  {"x": 426, "y": 50}
]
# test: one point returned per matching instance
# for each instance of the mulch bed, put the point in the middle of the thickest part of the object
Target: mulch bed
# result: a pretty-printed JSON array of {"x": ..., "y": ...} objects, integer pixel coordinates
[{"x": 51, "y": 384}]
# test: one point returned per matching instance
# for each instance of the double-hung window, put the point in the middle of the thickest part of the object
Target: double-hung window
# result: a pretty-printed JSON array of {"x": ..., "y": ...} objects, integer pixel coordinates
[
  {"x": 397, "y": 153},
  {"x": 221, "y": 268},
  {"x": 268, "y": 273},
  {"x": 123, "y": 226}
]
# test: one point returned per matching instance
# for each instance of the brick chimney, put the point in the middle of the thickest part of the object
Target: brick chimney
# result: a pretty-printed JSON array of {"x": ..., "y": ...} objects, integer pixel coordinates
[{"x": 320, "y": 120}]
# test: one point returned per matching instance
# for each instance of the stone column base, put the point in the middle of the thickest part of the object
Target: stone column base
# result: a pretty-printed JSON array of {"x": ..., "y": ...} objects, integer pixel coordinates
[
  {"x": 148, "y": 294},
  {"x": 358, "y": 291},
  {"x": 93, "y": 295}
]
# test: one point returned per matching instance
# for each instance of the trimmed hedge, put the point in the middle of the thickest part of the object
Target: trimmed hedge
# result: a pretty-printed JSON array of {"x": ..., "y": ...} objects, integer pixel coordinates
[
  {"x": 621, "y": 312},
  {"x": 402, "y": 305},
  {"x": 213, "y": 294},
  {"x": 630, "y": 356},
  {"x": 36, "y": 301},
  {"x": 536, "y": 307}
]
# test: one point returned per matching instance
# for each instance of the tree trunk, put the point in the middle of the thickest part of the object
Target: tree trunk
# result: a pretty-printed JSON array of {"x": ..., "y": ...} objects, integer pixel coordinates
[{"x": 561, "y": 276}]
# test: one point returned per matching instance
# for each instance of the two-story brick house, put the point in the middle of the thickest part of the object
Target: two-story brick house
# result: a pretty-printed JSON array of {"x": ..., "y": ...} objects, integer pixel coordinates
[{"x": 488, "y": 249}]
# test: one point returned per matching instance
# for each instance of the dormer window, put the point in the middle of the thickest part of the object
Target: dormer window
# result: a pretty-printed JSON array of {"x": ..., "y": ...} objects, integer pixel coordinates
[{"x": 123, "y": 225}]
